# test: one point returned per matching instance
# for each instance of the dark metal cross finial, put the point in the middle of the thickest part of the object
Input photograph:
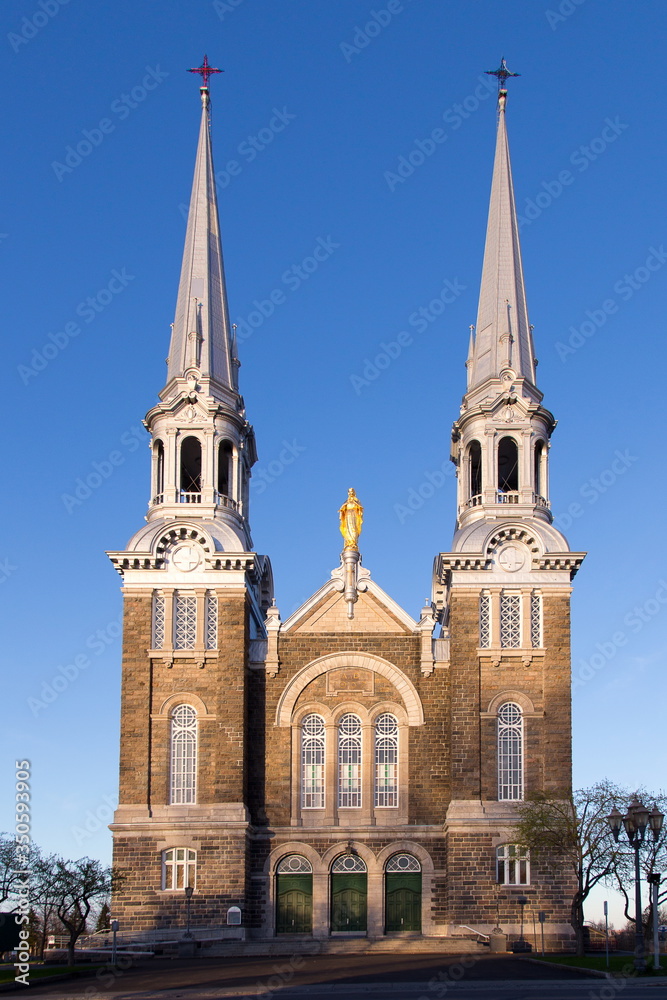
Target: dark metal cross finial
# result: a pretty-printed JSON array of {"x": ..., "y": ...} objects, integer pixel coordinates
[
  {"x": 502, "y": 73},
  {"x": 205, "y": 71}
]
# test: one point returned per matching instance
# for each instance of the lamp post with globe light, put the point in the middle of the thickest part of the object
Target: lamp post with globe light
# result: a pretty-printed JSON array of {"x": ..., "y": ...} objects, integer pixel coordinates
[{"x": 635, "y": 822}]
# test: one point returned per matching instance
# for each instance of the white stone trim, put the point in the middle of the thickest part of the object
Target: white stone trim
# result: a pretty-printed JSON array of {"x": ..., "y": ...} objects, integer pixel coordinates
[{"x": 366, "y": 661}]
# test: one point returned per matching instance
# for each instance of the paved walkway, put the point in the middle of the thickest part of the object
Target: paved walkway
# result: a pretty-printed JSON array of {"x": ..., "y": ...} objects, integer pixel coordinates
[{"x": 413, "y": 977}]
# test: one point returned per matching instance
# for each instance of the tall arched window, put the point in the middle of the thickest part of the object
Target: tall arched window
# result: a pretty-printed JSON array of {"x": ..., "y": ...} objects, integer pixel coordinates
[
  {"x": 225, "y": 477},
  {"x": 510, "y": 751},
  {"x": 312, "y": 762},
  {"x": 540, "y": 489},
  {"x": 386, "y": 760},
  {"x": 475, "y": 462},
  {"x": 158, "y": 451},
  {"x": 183, "y": 755},
  {"x": 508, "y": 465},
  {"x": 190, "y": 471},
  {"x": 349, "y": 761}
]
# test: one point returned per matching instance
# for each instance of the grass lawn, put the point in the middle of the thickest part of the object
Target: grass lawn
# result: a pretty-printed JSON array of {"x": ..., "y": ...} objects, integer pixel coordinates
[
  {"x": 8, "y": 973},
  {"x": 619, "y": 965}
]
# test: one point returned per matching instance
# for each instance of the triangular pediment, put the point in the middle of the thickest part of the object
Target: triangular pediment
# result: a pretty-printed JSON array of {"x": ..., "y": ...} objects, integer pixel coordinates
[{"x": 374, "y": 611}]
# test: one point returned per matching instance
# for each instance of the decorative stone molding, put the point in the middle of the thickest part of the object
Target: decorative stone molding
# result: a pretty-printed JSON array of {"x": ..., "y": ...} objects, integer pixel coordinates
[{"x": 368, "y": 661}]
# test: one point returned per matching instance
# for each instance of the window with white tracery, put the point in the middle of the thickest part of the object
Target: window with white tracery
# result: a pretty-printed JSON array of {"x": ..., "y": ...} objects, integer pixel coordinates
[
  {"x": 536, "y": 619},
  {"x": 349, "y": 761},
  {"x": 512, "y": 865},
  {"x": 158, "y": 621},
  {"x": 183, "y": 755},
  {"x": 312, "y": 762},
  {"x": 179, "y": 868},
  {"x": 510, "y": 752},
  {"x": 386, "y": 760},
  {"x": 484, "y": 620},
  {"x": 185, "y": 621},
  {"x": 510, "y": 621},
  {"x": 211, "y": 623}
]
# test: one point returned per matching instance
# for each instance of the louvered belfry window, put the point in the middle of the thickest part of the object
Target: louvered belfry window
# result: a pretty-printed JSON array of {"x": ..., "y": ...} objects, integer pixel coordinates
[
  {"x": 510, "y": 621},
  {"x": 185, "y": 620}
]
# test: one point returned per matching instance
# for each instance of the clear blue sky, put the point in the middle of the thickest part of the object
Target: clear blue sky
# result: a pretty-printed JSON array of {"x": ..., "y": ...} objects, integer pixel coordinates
[{"x": 316, "y": 113}]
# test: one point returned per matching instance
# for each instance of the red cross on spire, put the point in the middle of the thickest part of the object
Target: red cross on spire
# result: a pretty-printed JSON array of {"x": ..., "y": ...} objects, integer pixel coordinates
[{"x": 205, "y": 71}]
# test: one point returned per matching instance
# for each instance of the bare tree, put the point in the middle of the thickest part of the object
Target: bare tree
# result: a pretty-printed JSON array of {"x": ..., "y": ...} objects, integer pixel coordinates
[
  {"x": 14, "y": 860},
  {"x": 570, "y": 830},
  {"x": 77, "y": 885}
]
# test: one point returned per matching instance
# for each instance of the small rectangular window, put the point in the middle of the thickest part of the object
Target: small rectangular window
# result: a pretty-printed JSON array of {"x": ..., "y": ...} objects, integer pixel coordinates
[
  {"x": 536, "y": 619},
  {"x": 512, "y": 865},
  {"x": 510, "y": 621},
  {"x": 484, "y": 620},
  {"x": 158, "y": 621},
  {"x": 179, "y": 868}
]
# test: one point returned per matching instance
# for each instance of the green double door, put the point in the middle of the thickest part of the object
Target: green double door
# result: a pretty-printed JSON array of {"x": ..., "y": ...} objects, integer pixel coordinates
[
  {"x": 403, "y": 901},
  {"x": 294, "y": 909},
  {"x": 349, "y": 894}
]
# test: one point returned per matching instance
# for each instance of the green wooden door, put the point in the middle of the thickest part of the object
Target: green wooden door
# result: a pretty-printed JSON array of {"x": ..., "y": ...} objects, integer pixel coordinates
[
  {"x": 403, "y": 901},
  {"x": 348, "y": 901},
  {"x": 294, "y": 904}
]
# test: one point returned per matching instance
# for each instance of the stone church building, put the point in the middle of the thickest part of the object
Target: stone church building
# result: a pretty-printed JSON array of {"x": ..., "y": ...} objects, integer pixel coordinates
[{"x": 351, "y": 771}]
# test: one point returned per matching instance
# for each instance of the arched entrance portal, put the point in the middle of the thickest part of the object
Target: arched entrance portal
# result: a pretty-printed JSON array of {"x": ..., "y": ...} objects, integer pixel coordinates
[
  {"x": 294, "y": 896},
  {"x": 403, "y": 894},
  {"x": 349, "y": 894}
]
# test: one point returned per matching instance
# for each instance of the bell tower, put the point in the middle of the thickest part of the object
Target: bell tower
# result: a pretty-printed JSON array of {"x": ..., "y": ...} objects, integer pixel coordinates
[
  {"x": 503, "y": 591},
  {"x": 195, "y": 598}
]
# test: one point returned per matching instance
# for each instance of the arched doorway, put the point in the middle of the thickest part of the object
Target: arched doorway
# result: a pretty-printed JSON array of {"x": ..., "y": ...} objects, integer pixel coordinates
[
  {"x": 403, "y": 894},
  {"x": 349, "y": 894},
  {"x": 294, "y": 896}
]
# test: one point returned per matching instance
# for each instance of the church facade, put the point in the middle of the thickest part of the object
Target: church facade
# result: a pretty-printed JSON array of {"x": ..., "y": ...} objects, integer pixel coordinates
[{"x": 353, "y": 770}]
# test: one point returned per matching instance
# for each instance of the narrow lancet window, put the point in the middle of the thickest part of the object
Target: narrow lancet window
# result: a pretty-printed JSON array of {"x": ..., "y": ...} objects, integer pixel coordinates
[
  {"x": 475, "y": 460},
  {"x": 225, "y": 477},
  {"x": 386, "y": 760},
  {"x": 211, "y": 629},
  {"x": 183, "y": 755},
  {"x": 158, "y": 494},
  {"x": 508, "y": 466},
  {"x": 510, "y": 752},
  {"x": 312, "y": 762},
  {"x": 349, "y": 761},
  {"x": 536, "y": 619},
  {"x": 190, "y": 471}
]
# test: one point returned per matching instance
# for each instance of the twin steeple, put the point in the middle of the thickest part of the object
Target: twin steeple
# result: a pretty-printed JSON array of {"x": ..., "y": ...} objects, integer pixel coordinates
[
  {"x": 203, "y": 446},
  {"x": 202, "y": 337},
  {"x": 503, "y": 337},
  {"x": 500, "y": 442}
]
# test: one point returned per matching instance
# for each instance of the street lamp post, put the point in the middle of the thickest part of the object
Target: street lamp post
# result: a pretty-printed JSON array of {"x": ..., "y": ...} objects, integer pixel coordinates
[
  {"x": 635, "y": 822},
  {"x": 654, "y": 881}
]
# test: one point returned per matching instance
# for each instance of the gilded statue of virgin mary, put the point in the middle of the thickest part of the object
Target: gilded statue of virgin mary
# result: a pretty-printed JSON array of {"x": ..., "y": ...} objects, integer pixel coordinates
[{"x": 351, "y": 519}]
